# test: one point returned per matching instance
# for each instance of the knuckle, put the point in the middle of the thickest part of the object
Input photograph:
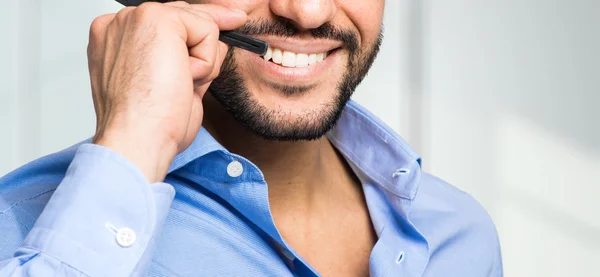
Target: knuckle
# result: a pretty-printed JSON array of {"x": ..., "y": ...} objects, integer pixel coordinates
[
  {"x": 179, "y": 3},
  {"x": 147, "y": 11},
  {"x": 210, "y": 63},
  {"x": 204, "y": 15},
  {"x": 213, "y": 75},
  {"x": 97, "y": 34},
  {"x": 98, "y": 25},
  {"x": 206, "y": 68},
  {"x": 123, "y": 13},
  {"x": 213, "y": 28}
]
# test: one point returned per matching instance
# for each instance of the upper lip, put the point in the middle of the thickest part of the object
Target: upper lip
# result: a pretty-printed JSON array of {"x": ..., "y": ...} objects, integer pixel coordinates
[{"x": 298, "y": 45}]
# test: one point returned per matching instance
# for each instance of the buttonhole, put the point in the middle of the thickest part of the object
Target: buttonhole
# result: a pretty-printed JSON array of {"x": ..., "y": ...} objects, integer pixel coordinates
[
  {"x": 400, "y": 258},
  {"x": 400, "y": 171}
]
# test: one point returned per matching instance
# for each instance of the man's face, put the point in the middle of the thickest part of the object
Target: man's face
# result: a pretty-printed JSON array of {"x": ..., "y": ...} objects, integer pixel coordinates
[{"x": 319, "y": 52}]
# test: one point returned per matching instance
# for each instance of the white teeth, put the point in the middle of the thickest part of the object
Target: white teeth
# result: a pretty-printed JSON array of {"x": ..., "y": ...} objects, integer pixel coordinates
[
  {"x": 277, "y": 56},
  {"x": 320, "y": 56},
  {"x": 301, "y": 60},
  {"x": 269, "y": 54},
  {"x": 291, "y": 59},
  {"x": 312, "y": 59}
]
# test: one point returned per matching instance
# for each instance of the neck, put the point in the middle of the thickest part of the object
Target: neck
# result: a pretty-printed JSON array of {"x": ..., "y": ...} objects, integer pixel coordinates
[{"x": 303, "y": 175}]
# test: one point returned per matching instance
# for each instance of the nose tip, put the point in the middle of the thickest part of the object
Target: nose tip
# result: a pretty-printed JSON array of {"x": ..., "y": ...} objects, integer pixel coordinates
[{"x": 305, "y": 14}]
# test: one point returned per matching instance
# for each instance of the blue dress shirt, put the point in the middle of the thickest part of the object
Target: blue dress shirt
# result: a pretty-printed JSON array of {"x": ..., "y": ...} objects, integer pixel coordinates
[{"x": 87, "y": 211}]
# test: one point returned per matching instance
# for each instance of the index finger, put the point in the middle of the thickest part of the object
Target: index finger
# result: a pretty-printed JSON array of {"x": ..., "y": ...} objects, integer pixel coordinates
[{"x": 225, "y": 18}]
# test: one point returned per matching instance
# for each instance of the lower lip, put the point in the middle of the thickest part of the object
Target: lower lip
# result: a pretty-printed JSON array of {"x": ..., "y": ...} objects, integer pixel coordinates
[{"x": 305, "y": 74}]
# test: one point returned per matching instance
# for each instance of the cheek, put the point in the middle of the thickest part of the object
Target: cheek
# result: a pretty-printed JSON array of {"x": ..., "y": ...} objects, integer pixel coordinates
[{"x": 366, "y": 16}]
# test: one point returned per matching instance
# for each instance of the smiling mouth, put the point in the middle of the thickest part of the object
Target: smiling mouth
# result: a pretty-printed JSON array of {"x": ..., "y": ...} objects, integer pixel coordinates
[{"x": 291, "y": 59}]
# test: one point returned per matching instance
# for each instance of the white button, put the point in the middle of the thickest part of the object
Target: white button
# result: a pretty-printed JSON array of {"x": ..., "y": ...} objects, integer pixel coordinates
[
  {"x": 125, "y": 237},
  {"x": 235, "y": 169}
]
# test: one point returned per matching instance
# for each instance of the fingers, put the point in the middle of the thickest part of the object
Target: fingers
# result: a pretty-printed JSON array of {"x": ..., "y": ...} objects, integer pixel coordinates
[
  {"x": 202, "y": 37},
  {"x": 197, "y": 25},
  {"x": 225, "y": 18},
  {"x": 95, "y": 53},
  {"x": 201, "y": 27},
  {"x": 97, "y": 38}
]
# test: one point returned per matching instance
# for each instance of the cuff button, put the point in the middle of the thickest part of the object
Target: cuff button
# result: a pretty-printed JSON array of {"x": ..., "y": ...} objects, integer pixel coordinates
[{"x": 125, "y": 237}]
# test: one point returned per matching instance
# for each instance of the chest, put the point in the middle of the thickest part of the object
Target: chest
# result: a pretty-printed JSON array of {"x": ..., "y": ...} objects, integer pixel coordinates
[
  {"x": 334, "y": 245},
  {"x": 332, "y": 259},
  {"x": 198, "y": 245},
  {"x": 205, "y": 236}
]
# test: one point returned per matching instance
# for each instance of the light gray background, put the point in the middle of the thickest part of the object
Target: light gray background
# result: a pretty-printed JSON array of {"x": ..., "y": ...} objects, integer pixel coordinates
[{"x": 500, "y": 98}]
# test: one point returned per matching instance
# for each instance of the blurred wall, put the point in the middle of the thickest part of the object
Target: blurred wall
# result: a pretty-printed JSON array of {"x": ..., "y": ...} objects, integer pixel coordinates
[
  {"x": 511, "y": 91},
  {"x": 46, "y": 98},
  {"x": 498, "y": 96}
]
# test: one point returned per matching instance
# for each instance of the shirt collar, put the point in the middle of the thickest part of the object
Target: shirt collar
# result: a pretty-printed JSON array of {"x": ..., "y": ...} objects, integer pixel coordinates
[
  {"x": 203, "y": 144},
  {"x": 364, "y": 140},
  {"x": 376, "y": 150}
]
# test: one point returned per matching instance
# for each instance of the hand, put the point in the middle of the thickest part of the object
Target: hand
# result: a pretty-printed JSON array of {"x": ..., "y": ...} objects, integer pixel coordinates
[{"x": 149, "y": 68}]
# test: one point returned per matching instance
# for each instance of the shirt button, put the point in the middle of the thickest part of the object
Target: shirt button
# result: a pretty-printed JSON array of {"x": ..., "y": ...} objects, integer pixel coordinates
[
  {"x": 235, "y": 169},
  {"x": 125, "y": 237}
]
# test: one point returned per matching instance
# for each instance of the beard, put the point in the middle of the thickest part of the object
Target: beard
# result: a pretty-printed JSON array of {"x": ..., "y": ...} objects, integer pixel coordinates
[{"x": 275, "y": 124}]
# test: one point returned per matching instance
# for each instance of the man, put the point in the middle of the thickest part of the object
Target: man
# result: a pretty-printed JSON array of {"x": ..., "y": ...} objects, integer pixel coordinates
[{"x": 286, "y": 177}]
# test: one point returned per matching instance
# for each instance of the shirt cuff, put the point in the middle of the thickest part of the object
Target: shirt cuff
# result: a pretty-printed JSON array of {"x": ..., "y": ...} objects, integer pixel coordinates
[{"x": 103, "y": 216}]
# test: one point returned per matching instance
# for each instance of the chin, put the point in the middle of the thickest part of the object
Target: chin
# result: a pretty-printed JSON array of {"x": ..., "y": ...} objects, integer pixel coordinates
[
  {"x": 287, "y": 102},
  {"x": 306, "y": 115}
]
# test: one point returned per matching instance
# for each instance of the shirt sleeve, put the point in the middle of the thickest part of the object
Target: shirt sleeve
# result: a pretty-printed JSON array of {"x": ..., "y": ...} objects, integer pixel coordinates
[
  {"x": 497, "y": 269},
  {"x": 102, "y": 220}
]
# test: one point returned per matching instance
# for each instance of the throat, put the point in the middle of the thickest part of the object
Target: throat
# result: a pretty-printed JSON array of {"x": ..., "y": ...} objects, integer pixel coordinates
[
  {"x": 330, "y": 227},
  {"x": 313, "y": 182}
]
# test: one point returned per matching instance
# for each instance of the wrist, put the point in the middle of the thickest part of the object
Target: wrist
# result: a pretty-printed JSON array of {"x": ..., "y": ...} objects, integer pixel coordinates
[{"x": 151, "y": 155}]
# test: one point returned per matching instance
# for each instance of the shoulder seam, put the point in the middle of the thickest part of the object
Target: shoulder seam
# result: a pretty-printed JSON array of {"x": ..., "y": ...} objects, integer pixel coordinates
[
  {"x": 18, "y": 202},
  {"x": 16, "y": 219}
]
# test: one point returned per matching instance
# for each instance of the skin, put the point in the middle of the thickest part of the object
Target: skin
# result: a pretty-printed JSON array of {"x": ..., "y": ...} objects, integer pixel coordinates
[{"x": 150, "y": 68}]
